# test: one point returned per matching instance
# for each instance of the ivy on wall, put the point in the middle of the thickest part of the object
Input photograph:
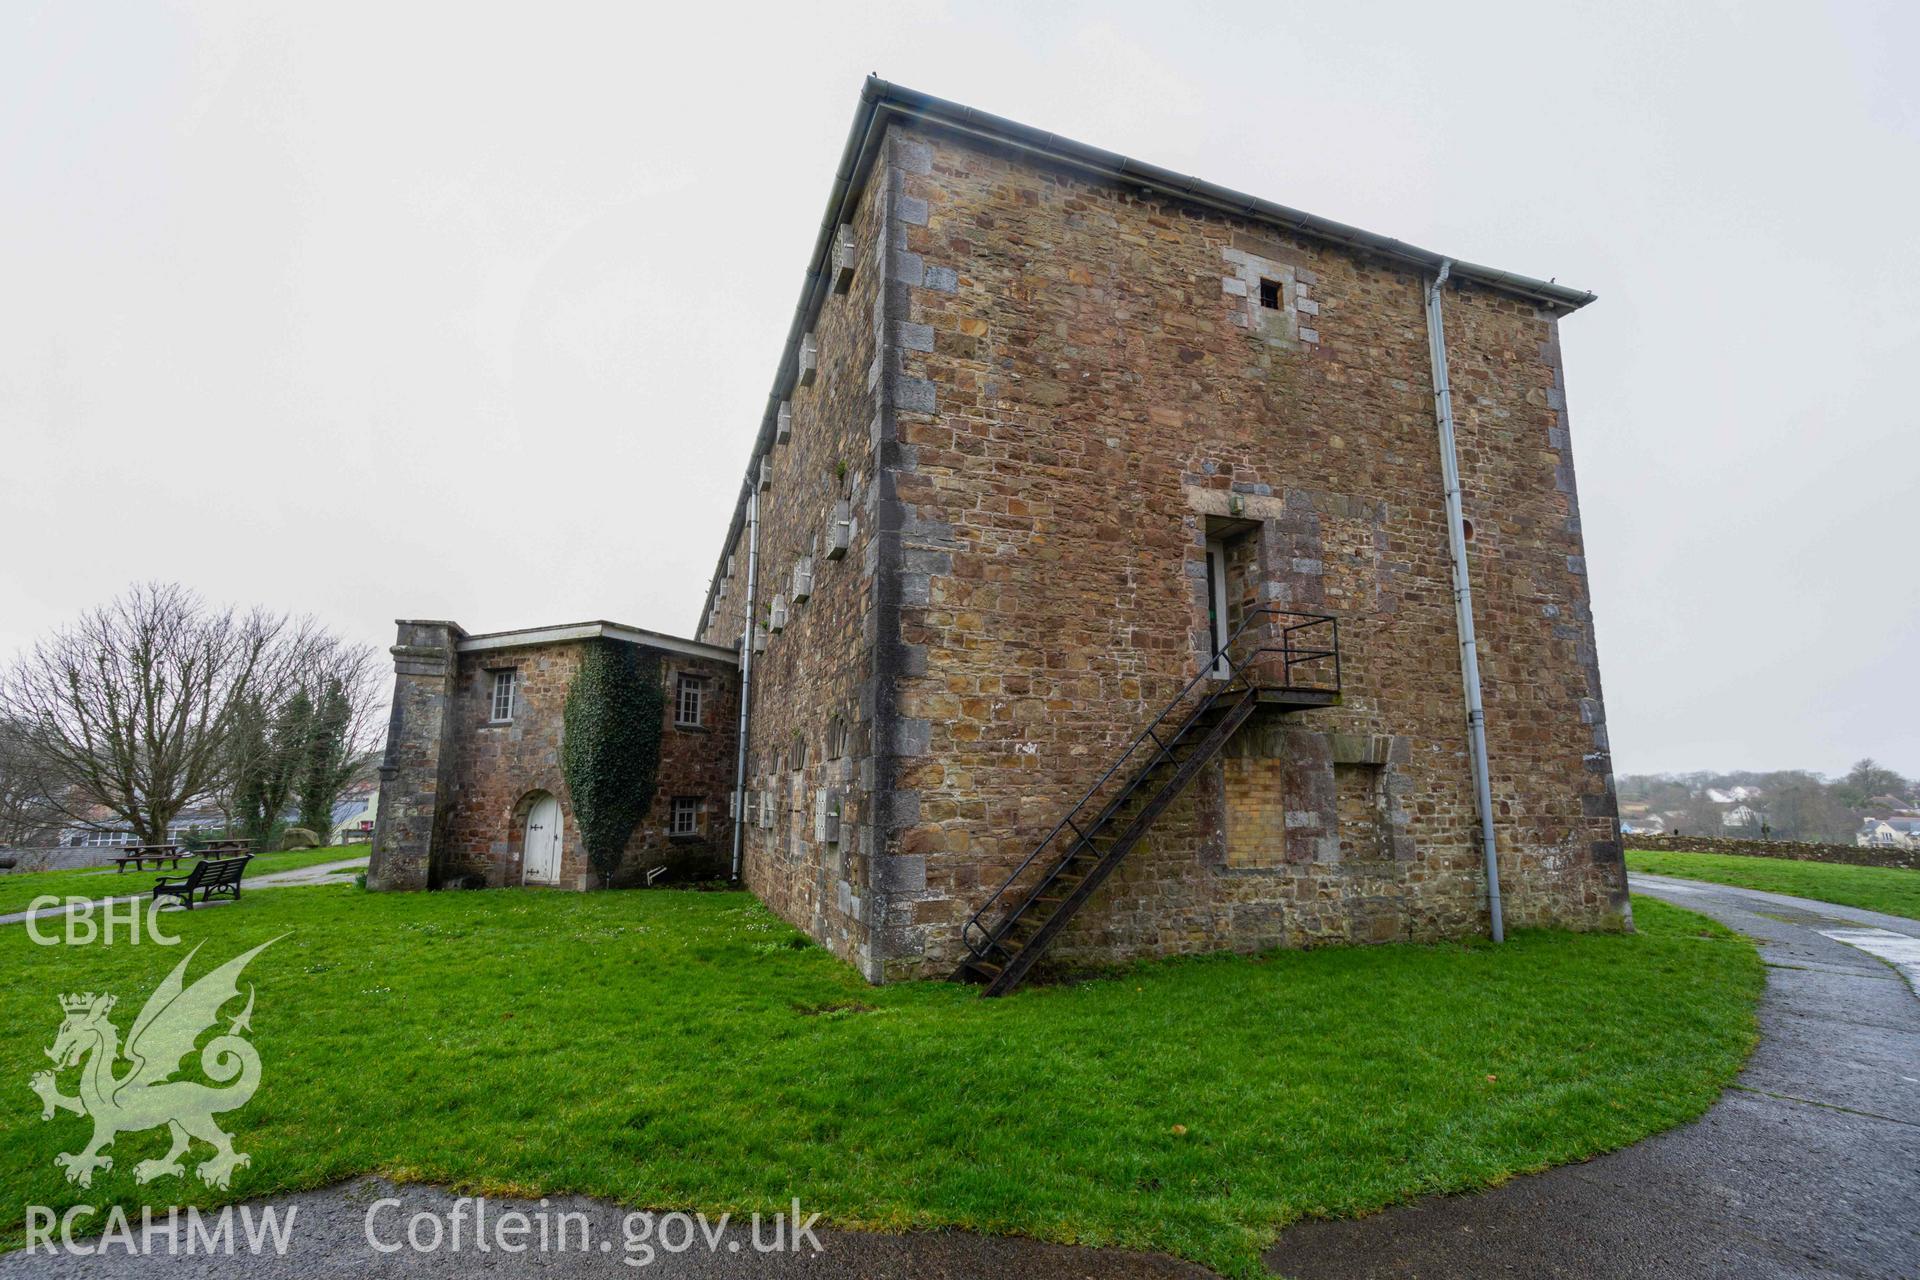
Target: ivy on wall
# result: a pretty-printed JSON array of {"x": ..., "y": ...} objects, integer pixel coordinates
[{"x": 611, "y": 754}]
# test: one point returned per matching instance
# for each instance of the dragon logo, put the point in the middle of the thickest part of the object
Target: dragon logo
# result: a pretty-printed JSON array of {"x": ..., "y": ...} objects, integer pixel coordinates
[{"x": 144, "y": 1097}]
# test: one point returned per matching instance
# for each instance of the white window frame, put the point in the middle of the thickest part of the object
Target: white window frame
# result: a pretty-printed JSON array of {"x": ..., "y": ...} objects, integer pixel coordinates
[
  {"x": 689, "y": 689},
  {"x": 507, "y": 681},
  {"x": 683, "y": 818}
]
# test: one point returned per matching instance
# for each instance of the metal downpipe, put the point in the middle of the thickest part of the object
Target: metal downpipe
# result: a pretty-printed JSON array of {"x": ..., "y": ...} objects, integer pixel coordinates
[
  {"x": 746, "y": 682},
  {"x": 1463, "y": 594}
]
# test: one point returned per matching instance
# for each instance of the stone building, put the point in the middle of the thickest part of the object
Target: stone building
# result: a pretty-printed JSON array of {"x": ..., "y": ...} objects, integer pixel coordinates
[
  {"x": 1063, "y": 447},
  {"x": 472, "y": 791}
]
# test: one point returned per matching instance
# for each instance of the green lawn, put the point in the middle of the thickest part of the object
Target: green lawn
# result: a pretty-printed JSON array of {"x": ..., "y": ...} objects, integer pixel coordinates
[
  {"x": 1891, "y": 890},
  {"x": 690, "y": 1050},
  {"x": 19, "y": 889}
]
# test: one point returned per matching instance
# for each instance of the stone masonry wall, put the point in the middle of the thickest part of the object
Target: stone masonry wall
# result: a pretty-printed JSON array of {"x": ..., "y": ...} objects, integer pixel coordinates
[
  {"x": 415, "y": 772},
  {"x": 1851, "y": 854},
  {"x": 811, "y": 737},
  {"x": 1090, "y": 386},
  {"x": 502, "y": 768}
]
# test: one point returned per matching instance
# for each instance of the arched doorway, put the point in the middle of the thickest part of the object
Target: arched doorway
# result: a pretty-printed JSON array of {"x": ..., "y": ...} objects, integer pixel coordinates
[{"x": 545, "y": 836}]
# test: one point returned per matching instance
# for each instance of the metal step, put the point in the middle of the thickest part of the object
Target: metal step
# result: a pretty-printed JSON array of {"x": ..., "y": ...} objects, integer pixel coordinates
[
  {"x": 1117, "y": 810},
  {"x": 1027, "y": 949}
]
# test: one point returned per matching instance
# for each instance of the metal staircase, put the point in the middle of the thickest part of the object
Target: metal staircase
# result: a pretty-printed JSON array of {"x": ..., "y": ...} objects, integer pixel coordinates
[{"x": 1273, "y": 658}]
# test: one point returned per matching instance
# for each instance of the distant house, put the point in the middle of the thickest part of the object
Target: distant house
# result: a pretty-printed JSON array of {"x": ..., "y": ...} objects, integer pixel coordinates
[
  {"x": 1889, "y": 833},
  {"x": 1743, "y": 818},
  {"x": 1651, "y": 824},
  {"x": 353, "y": 816}
]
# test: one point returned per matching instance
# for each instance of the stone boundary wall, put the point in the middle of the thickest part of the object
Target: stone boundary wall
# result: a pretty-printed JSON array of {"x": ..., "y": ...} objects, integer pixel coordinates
[
  {"x": 1851, "y": 854},
  {"x": 55, "y": 858}
]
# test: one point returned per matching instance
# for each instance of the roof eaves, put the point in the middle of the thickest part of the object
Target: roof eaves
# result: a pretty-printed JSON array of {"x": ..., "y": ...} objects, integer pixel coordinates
[{"x": 573, "y": 631}]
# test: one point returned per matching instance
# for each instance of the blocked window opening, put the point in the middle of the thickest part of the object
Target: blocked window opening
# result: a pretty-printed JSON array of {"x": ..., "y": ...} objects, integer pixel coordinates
[
  {"x": 1256, "y": 812},
  {"x": 1270, "y": 294},
  {"x": 1360, "y": 797}
]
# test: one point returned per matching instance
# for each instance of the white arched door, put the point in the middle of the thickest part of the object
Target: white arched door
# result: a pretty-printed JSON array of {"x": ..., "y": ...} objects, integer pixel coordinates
[{"x": 545, "y": 832}]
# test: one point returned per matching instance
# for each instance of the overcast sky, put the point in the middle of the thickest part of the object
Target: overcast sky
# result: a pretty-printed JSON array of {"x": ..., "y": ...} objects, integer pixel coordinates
[{"x": 469, "y": 311}]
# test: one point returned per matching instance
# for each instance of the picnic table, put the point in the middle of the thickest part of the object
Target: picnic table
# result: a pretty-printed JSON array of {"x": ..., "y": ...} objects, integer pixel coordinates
[
  {"x": 141, "y": 854},
  {"x": 228, "y": 846}
]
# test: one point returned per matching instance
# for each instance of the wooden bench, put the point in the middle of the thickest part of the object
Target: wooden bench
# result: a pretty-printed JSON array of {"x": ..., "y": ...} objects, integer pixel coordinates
[
  {"x": 141, "y": 854},
  {"x": 209, "y": 876}
]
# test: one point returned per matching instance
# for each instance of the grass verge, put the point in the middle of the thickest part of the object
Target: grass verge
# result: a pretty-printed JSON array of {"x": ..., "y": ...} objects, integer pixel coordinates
[
  {"x": 1891, "y": 890},
  {"x": 19, "y": 889},
  {"x": 690, "y": 1050}
]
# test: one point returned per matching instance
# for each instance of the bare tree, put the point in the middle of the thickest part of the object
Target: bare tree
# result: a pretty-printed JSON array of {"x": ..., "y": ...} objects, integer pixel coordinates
[
  {"x": 361, "y": 677},
  {"x": 1699, "y": 815},
  {"x": 1803, "y": 807},
  {"x": 132, "y": 708},
  {"x": 28, "y": 815},
  {"x": 1868, "y": 781}
]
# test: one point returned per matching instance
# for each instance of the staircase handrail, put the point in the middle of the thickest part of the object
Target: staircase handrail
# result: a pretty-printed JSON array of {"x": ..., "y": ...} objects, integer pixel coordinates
[{"x": 1210, "y": 670}]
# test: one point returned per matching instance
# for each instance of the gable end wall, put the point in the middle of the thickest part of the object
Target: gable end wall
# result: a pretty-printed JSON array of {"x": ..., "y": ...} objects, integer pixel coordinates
[{"x": 1092, "y": 384}]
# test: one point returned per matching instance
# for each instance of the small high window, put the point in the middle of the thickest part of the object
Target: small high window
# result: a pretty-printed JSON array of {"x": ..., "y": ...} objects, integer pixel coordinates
[
  {"x": 686, "y": 816},
  {"x": 1270, "y": 294},
  {"x": 689, "y": 701},
  {"x": 505, "y": 684}
]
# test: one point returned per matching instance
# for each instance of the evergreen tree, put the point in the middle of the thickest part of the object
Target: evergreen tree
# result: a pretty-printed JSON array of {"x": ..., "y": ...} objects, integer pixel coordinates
[
  {"x": 268, "y": 750},
  {"x": 328, "y": 761}
]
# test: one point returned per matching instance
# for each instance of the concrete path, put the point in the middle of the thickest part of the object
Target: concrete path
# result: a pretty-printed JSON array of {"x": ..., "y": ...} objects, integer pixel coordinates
[
  {"x": 318, "y": 873},
  {"x": 1808, "y": 1167},
  {"x": 348, "y": 1230}
]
